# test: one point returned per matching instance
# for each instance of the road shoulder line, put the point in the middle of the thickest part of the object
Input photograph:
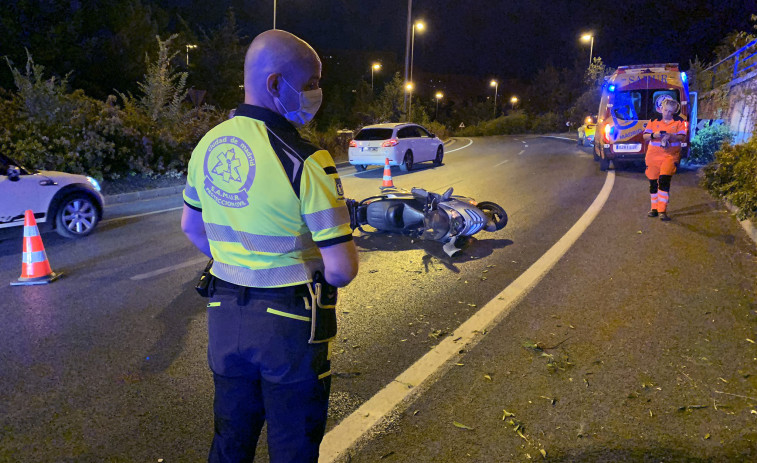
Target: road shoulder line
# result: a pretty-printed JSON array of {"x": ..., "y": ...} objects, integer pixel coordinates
[{"x": 419, "y": 376}]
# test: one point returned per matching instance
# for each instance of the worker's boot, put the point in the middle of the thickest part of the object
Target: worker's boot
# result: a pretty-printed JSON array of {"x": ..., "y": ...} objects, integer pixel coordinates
[{"x": 652, "y": 213}]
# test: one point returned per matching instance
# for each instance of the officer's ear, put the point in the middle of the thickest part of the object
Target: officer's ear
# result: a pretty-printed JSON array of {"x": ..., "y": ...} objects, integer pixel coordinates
[{"x": 273, "y": 84}]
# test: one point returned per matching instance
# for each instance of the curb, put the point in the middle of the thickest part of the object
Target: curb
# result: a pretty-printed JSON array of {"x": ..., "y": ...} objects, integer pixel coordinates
[
  {"x": 143, "y": 194},
  {"x": 747, "y": 224}
]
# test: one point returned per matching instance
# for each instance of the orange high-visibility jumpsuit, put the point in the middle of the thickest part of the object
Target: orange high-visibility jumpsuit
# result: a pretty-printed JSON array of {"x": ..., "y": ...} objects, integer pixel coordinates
[{"x": 661, "y": 161}]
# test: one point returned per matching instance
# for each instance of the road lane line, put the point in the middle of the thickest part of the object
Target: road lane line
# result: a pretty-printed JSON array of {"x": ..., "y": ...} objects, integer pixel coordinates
[
  {"x": 470, "y": 142},
  {"x": 506, "y": 160},
  {"x": 521, "y": 152},
  {"x": 171, "y": 268},
  {"x": 526, "y": 146},
  {"x": 559, "y": 138},
  {"x": 419, "y": 376},
  {"x": 115, "y": 219}
]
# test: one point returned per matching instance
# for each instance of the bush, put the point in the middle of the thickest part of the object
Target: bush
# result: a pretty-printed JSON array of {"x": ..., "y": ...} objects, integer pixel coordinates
[
  {"x": 733, "y": 177},
  {"x": 707, "y": 141},
  {"x": 547, "y": 123},
  {"x": 438, "y": 129}
]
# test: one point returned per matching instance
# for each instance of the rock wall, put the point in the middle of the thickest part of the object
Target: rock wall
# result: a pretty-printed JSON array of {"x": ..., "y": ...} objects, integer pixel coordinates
[{"x": 736, "y": 103}]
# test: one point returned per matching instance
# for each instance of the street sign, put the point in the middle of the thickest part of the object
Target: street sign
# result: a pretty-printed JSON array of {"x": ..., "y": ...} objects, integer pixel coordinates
[{"x": 462, "y": 126}]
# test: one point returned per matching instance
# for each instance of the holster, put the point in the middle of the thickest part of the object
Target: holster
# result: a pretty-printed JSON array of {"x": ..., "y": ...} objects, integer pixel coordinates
[
  {"x": 322, "y": 308},
  {"x": 203, "y": 284}
]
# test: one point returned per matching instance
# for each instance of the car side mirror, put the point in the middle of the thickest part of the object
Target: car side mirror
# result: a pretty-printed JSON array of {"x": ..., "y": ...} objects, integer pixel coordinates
[
  {"x": 433, "y": 135},
  {"x": 13, "y": 173}
]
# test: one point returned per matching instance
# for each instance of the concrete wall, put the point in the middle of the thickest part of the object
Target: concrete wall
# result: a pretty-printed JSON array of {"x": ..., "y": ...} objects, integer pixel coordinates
[{"x": 736, "y": 103}]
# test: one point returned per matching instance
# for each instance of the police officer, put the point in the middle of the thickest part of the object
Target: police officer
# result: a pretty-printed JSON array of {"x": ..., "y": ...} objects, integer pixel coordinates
[{"x": 269, "y": 208}]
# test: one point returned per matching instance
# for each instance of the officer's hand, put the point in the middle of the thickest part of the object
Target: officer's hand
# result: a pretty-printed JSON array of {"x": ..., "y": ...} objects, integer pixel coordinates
[{"x": 656, "y": 135}]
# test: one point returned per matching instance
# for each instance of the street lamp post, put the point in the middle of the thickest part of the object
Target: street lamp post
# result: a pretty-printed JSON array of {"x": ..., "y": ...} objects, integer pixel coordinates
[
  {"x": 513, "y": 101},
  {"x": 586, "y": 38},
  {"x": 407, "y": 44},
  {"x": 420, "y": 25},
  {"x": 439, "y": 96},
  {"x": 274, "y": 14},
  {"x": 495, "y": 84},
  {"x": 374, "y": 67},
  {"x": 190, "y": 46},
  {"x": 409, "y": 92}
]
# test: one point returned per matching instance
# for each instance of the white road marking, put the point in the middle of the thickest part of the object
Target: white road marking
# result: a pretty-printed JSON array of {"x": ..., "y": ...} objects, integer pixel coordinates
[
  {"x": 559, "y": 138},
  {"x": 171, "y": 268},
  {"x": 470, "y": 142},
  {"x": 526, "y": 146},
  {"x": 410, "y": 383},
  {"x": 506, "y": 160},
  {"x": 115, "y": 219},
  {"x": 521, "y": 152}
]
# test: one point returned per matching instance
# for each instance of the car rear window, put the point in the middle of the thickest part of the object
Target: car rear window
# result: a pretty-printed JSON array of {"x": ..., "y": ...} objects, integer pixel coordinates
[
  {"x": 374, "y": 134},
  {"x": 631, "y": 105}
]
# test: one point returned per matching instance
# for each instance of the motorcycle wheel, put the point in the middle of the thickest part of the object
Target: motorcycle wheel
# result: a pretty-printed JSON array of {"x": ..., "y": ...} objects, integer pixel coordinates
[{"x": 495, "y": 213}]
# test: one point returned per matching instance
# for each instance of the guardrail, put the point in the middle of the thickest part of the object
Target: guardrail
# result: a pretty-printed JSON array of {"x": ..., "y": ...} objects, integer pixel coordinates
[{"x": 723, "y": 72}]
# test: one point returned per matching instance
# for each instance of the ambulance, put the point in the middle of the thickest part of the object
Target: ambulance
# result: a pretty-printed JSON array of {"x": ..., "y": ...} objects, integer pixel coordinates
[{"x": 631, "y": 98}]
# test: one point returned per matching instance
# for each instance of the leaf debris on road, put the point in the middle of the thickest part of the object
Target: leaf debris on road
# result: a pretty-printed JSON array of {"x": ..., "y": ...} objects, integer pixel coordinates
[{"x": 461, "y": 425}]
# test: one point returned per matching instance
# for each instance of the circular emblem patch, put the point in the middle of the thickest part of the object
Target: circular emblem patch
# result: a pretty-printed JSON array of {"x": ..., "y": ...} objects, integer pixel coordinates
[{"x": 229, "y": 171}]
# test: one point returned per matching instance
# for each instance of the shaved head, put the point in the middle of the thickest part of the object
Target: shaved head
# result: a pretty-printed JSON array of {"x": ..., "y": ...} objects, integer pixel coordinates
[{"x": 275, "y": 54}]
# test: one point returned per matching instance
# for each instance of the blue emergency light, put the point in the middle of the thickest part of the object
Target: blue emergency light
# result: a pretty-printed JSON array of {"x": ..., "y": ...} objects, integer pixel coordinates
[
  {"x": 611, "y": 88},
  {"x": 683, "y": 77}
]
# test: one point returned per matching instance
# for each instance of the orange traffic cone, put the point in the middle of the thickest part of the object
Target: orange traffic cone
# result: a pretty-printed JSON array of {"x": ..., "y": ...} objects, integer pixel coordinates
[
  {"x": 35, "y": 269},
  {"x": 387, "y": 183}
]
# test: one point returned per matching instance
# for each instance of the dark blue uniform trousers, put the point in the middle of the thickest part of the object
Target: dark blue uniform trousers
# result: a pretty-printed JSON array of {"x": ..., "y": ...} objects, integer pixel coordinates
[{"x": 264, "y": 370}]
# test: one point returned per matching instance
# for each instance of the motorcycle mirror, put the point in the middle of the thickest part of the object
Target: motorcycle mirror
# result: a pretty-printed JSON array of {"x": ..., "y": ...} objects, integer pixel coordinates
[{"x": 447, "y": 194}]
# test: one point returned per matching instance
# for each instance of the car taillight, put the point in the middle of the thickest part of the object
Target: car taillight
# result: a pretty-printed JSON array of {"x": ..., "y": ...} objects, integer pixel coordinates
[
  {"x": 608, "y": 131},
  {"x": 353, "y": 144},
  {"x": 389, "y": 143}
]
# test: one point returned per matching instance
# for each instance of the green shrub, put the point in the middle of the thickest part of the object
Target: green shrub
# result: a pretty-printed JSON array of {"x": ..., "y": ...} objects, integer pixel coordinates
[
  {"x": 438, "y": 129},
  {"x": 547, "y": 123},
  {"x": 707, "y": 141},
  {"x": 733, "y": 177}
]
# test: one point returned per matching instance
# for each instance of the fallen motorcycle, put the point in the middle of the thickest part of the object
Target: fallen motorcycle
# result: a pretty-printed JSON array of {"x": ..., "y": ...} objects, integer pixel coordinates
[{"x": 446, "y": 218}]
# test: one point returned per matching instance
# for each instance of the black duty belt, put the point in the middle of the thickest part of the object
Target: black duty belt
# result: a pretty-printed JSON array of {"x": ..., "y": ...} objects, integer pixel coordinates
[{"x": 246, "y": 292}]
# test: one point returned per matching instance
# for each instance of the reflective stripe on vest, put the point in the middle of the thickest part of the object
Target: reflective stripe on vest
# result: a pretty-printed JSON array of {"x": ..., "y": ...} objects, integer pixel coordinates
[
  {"x": 191, "y": 193},
  {"x": 328, "y": 218},
  {"x": 657, "y": 143},
  {"x": 266, "y": 277},
  {"x": 258, "y": 243}
]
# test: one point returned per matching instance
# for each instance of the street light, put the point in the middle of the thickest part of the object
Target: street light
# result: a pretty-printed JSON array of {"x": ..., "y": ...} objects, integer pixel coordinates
[
  {"x": 407, "y": 45},
  {"x": 586, "y": 38},
  {"x": 420, "y": 25},
  {"x": 190, "y": 46},
  {"x": 274, "y": 14},
  {"x": 409, "y": 90},
  {"x": 439, "y": 96},
  {"x": 374, "y": 67},
  {"x": 513, "y": 101},
  {"x": 495, "y": 84}
]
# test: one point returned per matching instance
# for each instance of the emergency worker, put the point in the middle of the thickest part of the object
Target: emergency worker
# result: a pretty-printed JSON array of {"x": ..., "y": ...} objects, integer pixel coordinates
[
  {"x": 664, "y": 135},
  {"x": 269, "y": 208}
]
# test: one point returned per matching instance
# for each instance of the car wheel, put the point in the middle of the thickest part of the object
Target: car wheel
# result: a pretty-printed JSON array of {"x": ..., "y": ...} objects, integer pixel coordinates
[
  {"x": 360, "y": 167},
  {"x": 439, "y": 156},
  {"x": 594, "y": 152},
  {"x": 77, "y": 216},
  {"x": 407, "y": 162},
  {"x": 604, "y": 164}
]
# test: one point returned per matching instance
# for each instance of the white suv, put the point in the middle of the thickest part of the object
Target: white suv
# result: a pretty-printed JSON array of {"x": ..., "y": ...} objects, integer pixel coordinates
[
  {"x": 71, "y": 203},
  {"x": 405, "y": 145}
]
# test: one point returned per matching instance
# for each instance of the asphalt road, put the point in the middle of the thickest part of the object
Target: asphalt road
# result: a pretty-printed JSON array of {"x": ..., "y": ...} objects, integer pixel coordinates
[{"x": 638, "y": 319}]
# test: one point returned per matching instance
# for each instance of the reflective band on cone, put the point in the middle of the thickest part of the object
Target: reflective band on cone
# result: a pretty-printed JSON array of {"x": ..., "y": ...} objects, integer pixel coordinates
[
  {"x": 387, "y": 182},
  {"x": 35, "y": 268}
]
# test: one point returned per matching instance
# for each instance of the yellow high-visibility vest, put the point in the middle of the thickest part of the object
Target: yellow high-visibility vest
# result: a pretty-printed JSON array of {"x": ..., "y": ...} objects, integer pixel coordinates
[{"x": 269, "y": 200}]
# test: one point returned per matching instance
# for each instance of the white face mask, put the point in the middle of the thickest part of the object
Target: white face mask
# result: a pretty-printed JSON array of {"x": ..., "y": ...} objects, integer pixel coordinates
[{"x": 310, "y": 101}]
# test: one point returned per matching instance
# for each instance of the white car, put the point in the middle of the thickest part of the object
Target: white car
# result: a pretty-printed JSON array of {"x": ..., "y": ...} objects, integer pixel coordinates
[
  {"x": 71, "y": 203},
  {"x": 404, "y": 144}
]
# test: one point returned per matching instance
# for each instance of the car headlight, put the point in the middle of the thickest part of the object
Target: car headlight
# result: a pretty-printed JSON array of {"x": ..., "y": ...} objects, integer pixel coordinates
[{"x": 95, "y": 184}]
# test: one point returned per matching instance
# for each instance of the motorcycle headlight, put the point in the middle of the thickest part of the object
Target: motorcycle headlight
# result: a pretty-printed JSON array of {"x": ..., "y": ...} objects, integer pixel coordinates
[{"x": 95, "y": 184}]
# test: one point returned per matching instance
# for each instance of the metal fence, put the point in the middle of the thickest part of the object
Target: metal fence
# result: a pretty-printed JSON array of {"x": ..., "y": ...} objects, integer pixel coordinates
[{"x": 730, "y": 68}]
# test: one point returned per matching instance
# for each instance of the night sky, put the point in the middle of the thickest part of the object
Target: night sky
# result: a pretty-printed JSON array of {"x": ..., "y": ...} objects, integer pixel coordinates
[{"x": 508, "y": 39}]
